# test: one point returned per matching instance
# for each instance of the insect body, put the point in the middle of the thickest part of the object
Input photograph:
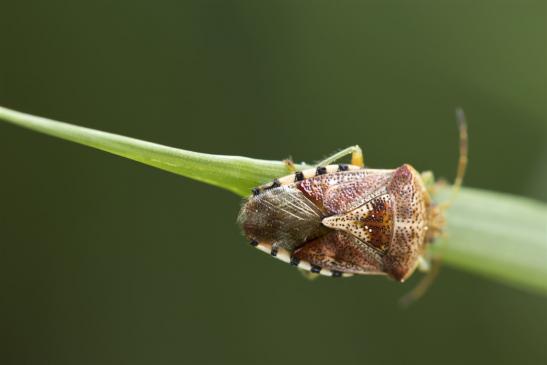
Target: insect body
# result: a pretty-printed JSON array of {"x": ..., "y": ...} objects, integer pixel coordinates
[{"x": 340, "y": 220}]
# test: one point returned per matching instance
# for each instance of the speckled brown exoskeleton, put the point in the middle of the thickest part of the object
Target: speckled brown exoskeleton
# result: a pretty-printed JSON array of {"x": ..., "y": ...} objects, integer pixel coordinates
[{"x": 340, "y": 220}]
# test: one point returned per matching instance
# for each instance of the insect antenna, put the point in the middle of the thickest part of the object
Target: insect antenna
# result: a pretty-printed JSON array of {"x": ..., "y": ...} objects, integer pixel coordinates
[
  {"x": 424, "y": 284},
  {"x": 462, "y": 161}
]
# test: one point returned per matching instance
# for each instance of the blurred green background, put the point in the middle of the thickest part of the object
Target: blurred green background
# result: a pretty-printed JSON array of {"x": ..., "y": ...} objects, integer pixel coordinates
[{"x": 105, "y": 261}]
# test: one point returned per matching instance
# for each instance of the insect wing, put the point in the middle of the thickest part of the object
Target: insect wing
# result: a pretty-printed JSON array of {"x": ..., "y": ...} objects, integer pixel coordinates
[
  {"x": 282, "y": 216},
  {"x": 340, "y": 252}
]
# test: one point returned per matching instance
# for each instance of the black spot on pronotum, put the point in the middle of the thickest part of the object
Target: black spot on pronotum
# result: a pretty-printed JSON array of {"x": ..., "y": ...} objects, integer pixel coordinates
[
  {"x": 275, "y": 184},
  {"x": 273, "y": 252},
  {"x": 299, "y": 176},
  {"x": 315, "y": 269},
  {"x": 254, "y": 243},
  {"x": 295, "y": 261},
  {"x": 343, "y": 167},
  {"x": 336, "y": 274},
  {"x": 256, "y": 191},
  {"x": 321, "y": 170}
]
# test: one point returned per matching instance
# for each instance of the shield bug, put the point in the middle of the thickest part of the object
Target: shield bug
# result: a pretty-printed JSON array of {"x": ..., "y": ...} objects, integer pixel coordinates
[{"x": 340, "y": 220}]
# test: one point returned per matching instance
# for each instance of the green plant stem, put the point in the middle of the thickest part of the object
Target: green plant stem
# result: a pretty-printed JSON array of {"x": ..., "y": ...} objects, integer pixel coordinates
[{"x": 499, "y": 236}]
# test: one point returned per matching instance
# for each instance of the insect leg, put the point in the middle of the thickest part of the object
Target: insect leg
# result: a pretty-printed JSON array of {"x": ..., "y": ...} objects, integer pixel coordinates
[
  {"x": 290, "y": 165},
  {"x": 356, "y": 156},
  {"x": 429, "y": 181},
  {"x": 424, "y": 265},
  {"x": 426, "y": 281}
]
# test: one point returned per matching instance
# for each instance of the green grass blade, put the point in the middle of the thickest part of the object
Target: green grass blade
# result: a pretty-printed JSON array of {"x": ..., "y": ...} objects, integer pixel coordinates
[
  {"x": 234, "y": 173},
  {"x": 500, "y": 236}
]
